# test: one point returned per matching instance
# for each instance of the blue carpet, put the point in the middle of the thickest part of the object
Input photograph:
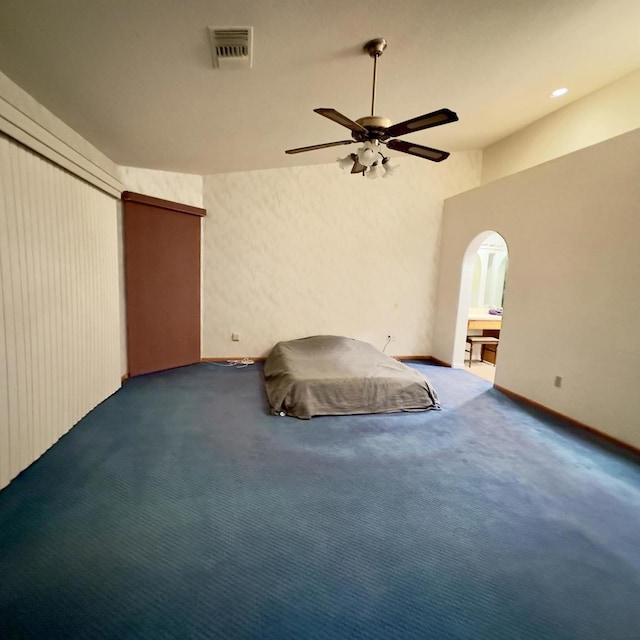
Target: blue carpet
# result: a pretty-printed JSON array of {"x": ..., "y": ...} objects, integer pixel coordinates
[{"x": 179, "y": 508}]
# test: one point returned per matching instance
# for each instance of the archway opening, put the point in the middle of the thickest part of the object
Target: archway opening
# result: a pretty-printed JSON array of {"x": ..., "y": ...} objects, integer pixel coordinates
[{"x": 480, "y": 308}]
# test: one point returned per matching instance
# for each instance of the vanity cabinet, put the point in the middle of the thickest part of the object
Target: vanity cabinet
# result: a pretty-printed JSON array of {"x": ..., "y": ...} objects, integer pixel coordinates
[{"x": 488, "y": 328}]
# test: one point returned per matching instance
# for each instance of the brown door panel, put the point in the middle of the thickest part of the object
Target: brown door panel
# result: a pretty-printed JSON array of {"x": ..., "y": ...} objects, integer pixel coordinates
[{"x": 162, "y": 278}]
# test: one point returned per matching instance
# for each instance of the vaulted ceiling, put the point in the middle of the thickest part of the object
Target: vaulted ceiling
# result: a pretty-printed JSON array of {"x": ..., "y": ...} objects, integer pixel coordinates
[{"x": 136, "y": 79}]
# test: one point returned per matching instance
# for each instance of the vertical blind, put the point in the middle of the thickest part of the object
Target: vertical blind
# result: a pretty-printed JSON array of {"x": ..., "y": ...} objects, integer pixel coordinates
[{"x": 59, "y": 296}]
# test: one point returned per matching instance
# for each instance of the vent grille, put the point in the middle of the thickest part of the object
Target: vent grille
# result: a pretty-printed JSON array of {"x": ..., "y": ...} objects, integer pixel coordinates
[{"x": 231, "y": 47}]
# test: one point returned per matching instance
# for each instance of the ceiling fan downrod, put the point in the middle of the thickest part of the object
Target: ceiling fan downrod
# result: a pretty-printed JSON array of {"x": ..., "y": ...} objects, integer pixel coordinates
[{"x": 375, "y": 49}]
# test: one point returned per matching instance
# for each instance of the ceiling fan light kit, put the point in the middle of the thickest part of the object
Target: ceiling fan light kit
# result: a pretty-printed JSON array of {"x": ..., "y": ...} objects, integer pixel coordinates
[{"x": 374, "y": 131}]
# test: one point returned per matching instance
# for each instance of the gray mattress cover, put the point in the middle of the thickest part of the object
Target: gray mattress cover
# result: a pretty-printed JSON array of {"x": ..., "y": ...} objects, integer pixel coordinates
[{"x": 333, "y": 375}]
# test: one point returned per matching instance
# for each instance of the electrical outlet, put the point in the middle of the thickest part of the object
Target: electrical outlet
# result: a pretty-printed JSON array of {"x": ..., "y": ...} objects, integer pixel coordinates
[
  {"x": 558, "y": 382},
  {"x": 235, "y": 337}
]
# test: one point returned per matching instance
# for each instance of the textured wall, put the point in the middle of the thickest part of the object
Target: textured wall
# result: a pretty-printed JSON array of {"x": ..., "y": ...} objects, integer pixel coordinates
[
  {"x": 59, "y": 325},
  {"x": 310, "y": 250},
  {"x": 185, "y": 188}
]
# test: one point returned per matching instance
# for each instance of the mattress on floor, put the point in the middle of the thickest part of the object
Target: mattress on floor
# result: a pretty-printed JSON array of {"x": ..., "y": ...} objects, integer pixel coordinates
[{"x": 334, "y": 375}]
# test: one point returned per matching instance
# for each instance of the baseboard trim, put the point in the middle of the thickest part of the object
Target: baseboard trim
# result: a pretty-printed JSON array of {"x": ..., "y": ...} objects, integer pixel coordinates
[
  {"x": 571, "y": 421},
  {"x": 234, "y": 358},
  {"x": 442, "y": 363},
  {"x": 263, "y": 358}
]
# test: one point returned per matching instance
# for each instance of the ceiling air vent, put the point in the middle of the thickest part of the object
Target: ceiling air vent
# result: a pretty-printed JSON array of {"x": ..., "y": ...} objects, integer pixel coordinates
[{"x": 231, "y": 47}]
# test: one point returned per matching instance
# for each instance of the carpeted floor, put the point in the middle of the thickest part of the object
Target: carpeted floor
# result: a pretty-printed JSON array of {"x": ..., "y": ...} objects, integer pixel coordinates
[{"x": 179, "y": 508}]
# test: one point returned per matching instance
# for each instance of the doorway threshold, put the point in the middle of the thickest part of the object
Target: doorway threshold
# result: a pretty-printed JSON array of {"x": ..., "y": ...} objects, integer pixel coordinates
[{"x": 482, "y": 370}]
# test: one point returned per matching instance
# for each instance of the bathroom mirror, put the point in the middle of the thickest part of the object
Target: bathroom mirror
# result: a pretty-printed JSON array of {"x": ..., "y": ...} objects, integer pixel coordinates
[{"x": 490, "y": 270}]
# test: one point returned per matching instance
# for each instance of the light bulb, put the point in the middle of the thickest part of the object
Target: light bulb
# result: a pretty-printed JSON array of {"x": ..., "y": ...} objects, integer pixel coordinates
[
  {"x": 367, "y": 154},
  {"x": 389, "y": 169},
  {"x": 347, "y": 162},
  {"x": 374, "y": 171}
]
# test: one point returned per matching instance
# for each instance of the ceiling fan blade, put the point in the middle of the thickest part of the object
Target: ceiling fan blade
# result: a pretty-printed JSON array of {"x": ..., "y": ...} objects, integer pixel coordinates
[
  {"x": 418, "y": 150},
  {"x": 319, "y": 146},
  {"x": 336, "y": 116},
  {"x": 428, "y": 120}
]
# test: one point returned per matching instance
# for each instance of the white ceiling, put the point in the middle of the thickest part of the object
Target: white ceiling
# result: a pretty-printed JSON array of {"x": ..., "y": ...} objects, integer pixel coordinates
[{"x": 135, "y": 77}]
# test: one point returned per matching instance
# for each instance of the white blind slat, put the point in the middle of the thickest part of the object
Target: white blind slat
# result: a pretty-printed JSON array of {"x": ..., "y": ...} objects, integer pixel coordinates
[{"x": 60, "y": 319}]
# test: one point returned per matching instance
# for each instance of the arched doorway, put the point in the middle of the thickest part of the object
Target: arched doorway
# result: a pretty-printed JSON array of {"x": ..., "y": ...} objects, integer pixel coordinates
[{"x": 482, "y": 284}]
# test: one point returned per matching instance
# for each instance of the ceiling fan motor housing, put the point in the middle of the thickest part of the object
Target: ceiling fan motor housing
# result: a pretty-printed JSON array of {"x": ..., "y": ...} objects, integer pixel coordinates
[{"x": 375, "y": 126}]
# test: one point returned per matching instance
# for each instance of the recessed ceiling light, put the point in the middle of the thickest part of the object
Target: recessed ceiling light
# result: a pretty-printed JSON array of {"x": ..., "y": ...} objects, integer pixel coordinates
[{"x": 559, "y": 92}]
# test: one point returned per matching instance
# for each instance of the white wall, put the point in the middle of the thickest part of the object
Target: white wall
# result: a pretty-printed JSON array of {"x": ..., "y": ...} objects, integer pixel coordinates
[
  {"x": 603, "y": 114},
  {"x": 185, "y": 188},
  {"x": 59, "y": 325},
  {"x": 295, "y": 252},
  {"x": 571, "y": 306}
]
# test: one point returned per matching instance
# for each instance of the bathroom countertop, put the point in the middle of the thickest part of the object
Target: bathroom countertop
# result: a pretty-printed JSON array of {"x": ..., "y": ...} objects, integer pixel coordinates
[{"x": 484, "y": 316}]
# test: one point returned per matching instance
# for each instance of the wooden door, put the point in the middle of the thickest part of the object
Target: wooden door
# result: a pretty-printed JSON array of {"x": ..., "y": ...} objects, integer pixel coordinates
[{"x": 162, "y": 283}]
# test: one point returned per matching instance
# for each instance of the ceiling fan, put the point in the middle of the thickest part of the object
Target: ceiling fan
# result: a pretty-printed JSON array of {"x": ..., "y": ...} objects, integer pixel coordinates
[{"x": 374, "y": 131}]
